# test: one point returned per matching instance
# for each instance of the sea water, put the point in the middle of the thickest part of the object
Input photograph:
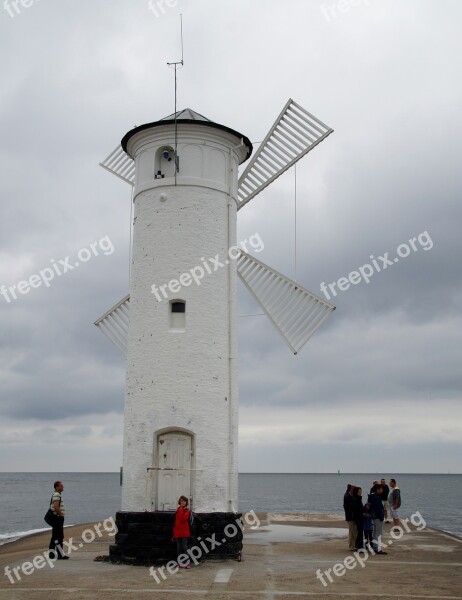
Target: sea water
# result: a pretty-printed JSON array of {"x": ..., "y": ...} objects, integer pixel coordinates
[{"x": 92, "y": 497}]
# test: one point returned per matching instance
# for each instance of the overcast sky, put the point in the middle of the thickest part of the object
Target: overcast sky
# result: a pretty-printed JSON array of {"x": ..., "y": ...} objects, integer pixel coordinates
[{"x": 378, "y": 388}]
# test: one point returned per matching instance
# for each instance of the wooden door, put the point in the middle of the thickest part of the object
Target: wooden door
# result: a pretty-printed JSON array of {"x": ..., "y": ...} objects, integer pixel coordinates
[{"x": 174, "y": 451}]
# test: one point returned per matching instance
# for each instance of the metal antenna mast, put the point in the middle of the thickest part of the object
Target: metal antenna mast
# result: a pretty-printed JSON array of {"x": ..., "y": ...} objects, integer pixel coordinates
[{"x": 175, "y": 65}]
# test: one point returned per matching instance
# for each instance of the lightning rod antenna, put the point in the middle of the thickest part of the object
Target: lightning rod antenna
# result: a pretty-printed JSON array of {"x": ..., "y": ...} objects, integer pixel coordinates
[{"x": 175, "y": 65}]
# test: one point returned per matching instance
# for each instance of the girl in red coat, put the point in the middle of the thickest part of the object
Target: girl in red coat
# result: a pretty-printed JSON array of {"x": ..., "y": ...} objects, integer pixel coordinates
[{"x": 181, "y": 531}]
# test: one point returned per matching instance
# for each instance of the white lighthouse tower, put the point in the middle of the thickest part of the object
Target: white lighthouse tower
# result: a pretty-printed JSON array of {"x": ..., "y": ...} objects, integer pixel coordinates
[
  {"x": 181, "y": 414},
  {"x": 177, "y": 326}
]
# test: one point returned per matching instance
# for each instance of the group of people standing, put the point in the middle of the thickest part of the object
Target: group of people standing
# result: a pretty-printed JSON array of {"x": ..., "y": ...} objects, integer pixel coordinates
[{"x": 365, "y": 521}]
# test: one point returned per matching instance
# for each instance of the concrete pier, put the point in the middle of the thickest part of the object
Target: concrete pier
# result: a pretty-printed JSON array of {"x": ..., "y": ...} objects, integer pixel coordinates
[{"x": 287, "y": 556}]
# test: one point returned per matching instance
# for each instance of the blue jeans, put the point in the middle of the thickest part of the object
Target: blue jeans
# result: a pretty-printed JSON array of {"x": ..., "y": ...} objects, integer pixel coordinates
[
  {"x": 181, "y": 547},
  {"x": 377, "y": 535}
]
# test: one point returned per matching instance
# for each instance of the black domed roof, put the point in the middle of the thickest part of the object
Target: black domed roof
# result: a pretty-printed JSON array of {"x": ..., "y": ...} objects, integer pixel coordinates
[{"x": 189, "y": 116}]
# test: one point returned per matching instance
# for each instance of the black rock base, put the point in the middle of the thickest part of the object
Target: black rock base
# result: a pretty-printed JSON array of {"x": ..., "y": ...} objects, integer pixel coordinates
[{"x": 145, "y": 538}]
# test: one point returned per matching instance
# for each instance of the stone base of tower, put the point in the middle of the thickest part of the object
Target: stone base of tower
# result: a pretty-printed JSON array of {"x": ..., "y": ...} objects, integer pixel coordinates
[{"x": 145, "y": 538}]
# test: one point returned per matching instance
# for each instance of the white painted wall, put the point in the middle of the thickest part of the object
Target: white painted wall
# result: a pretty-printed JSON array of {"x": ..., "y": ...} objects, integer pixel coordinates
[{"x": 183, "y": 380}]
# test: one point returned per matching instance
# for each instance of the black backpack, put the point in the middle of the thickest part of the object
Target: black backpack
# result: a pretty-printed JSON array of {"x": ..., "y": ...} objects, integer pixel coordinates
[{"x": 50, "y": 516}]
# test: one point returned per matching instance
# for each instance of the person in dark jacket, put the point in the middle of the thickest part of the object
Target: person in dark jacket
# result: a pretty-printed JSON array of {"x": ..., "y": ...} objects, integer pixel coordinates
[
  {"x": 368, "y": 525},
  {"x": 384, "y": 497},
  {"x": 348, "y": 505},
  {"x": 377, "y": 518},
  {"x": 358, "y": 516},
  {"x": 394, "y": 500},
  {"x": 181, "y": 531}
]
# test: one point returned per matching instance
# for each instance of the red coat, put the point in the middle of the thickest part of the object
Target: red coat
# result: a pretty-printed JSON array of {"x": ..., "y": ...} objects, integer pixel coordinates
[{"x": 181, "y": 527}]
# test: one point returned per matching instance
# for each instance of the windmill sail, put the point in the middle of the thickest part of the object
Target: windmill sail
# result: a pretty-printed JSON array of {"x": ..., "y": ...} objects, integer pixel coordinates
[
  {"x": 293, "y": 135},
  {"x": 114, "y": 324},
  {"x": 121, "y": 165},
  {"x": 295, "y": 312}
]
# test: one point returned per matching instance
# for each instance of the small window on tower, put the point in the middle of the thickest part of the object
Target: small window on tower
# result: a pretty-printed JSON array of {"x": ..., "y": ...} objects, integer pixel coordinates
[
  {"x": 177, "y": 315},
  {"x": 178, "y": 307}
]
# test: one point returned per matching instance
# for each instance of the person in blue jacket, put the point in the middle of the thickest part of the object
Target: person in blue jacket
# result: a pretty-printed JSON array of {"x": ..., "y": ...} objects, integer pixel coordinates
[
  {"x": 377, "y": 511},
  {"x": 368, "y": 524}
]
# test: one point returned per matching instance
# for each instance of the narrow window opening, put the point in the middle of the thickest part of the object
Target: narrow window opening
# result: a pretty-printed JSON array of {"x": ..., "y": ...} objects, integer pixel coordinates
[
  {"x": 178, "y": 307},
  {"x": 177, "y": 315}
]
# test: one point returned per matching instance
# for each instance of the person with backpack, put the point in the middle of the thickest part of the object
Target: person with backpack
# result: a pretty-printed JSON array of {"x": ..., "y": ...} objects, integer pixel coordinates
[
  {"x": 55, "y": 547},
  {"x": 394, "y": 500},
  {"x": 181, "y": 530}
]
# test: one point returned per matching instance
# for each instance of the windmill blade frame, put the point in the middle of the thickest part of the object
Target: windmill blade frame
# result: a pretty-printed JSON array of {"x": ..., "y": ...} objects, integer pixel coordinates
[
  {"x": 121, "y": 165},
  {"x": 294, "y": 133},
  {"x": 295, "y": 312},
  {"x": 114, "y": 324}
]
